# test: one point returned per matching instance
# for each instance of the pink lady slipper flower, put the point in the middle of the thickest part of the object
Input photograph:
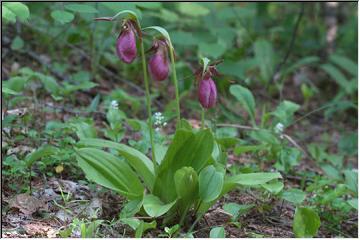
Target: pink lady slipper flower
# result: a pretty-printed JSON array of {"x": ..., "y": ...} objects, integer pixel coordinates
[
  {"x": 126, "y": 43},
  {"x": 207, "y": 93},
  {"x": 159, "y": 63},
  {"x": 207, "y": 89}
]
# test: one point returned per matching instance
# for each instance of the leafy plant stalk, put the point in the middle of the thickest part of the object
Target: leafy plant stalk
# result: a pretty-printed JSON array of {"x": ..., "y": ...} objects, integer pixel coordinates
[{"x": 148, "y": 104}]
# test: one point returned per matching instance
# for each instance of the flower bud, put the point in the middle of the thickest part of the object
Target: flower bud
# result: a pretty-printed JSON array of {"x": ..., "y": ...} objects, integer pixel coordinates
[
  {"x": 159, "y": 63},
  {"x": 207, "y": 93},
  {"x": 126, "y": 44}
]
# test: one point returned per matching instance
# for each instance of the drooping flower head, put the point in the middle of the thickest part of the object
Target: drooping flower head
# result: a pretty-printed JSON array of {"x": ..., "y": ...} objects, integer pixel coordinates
[
  {"x": 126, "y": 42},
  {"x": 207, "y": 91},
  {"x": 159, "y": 62}
]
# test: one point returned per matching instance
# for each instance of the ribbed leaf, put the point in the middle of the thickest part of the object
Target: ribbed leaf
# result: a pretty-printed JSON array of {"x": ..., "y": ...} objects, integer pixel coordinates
[
  {"x": 247, "y": 179},
  {"x": 210, "y": 183},
  {"x": 43, "y": 151},
  {"x": 141, "y": 164},
  {"x": 154, "y": 207},
  {"x": 110, "y": 171},
  {"x": 251, "y": 179},
  {"x": 187, "y": 149},
  {"x": 245, "y": 97}
]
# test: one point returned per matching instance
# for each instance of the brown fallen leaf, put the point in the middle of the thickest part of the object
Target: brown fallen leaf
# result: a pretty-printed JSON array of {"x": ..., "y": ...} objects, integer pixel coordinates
[
  {"x": 25, "y": 203},
  {"x": 40, "y": 229}
]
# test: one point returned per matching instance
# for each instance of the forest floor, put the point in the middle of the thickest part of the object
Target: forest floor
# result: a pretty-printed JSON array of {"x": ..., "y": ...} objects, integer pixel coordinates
[{"x": 56, "y": 201}]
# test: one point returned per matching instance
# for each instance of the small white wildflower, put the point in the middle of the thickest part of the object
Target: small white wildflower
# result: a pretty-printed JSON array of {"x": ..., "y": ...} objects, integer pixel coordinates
[
  {"x": 279, "y": 128},
  {"x": 159, "y": 121},
  {"x": 114, "y": 104}
]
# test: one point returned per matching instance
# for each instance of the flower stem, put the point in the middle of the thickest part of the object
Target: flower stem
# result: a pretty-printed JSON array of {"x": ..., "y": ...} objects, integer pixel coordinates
[
  {"x": 148, "y": 105},
  {"x": 172, "y": 58},
  {"x": 202, "y": 118}
]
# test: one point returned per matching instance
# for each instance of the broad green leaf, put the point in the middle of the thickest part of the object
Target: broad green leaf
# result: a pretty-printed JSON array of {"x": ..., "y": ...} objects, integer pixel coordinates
[
  {"x": 237, "y": 210},
  {"x": 132, "y": 222},
  {"x": 17, "y": 43},
  {"x": 143, "y": 226},
  {"x": 16, "y": 84},
  {"x": 7, "y": 14},
  {"x": 181, "y": 38},
  {"x": 264, "y": 136},
  {"x": 348, "y": 143},
  {"x": 249, "y": 179},
  {"x": 306, "y": 222},
  {"x": 94, "y": 104},
  {"x": 141, "y": 164},
  {"x": 337, "y": 76},
  {"x": 354, "y": 203},
  {"x": 210, "y": 183},
  {"x": 237, "y": 69},
  {"x": 149, "y": 5},
  {"x": 287, "y": 158},
  {"x": 7, "y": 90},
  {"x": 351, "y": 180},
  {"x": 160, "y": 151},
  {"x": 274, "y": 186},
  {"x": 81, "y": 8},
  {"x": 131, "y": 208},
  {"x": 110, "y": 171},
  {"x": 294, "y": 195},
  {"x": 245, "y": 97},
  {"x": 226, "y": 132},
  {"x": 264, "y": 54},
  {"x": 49, "y": 83},
  {"x": 301, "y": 62},
  {"x": 62, "y": 16},
  {"x": 248, "y": 148},
  {"x": 184, "y": 124},
  {"x": 154, "y": 207},
  {"x": 11, "y": 9},
  {"x": 193, "y": 9},
  {"x": 186, "y": 183},
  {"x": 284, "y": 113},
  {"x": 187, "y": 149},
  {"x": 84, "y": 130},
  {"x": 43, "y": 151},
  {"x": 331, "y": 171},
  {"x": 214, "y": 50},
  {"x": 345, "y": 63},
  {"x": 172, "y": 230},
  {"x": 217, "y": 232},
  {"x": 330, "y": 196},
  {"x": 167, "y": 15}
]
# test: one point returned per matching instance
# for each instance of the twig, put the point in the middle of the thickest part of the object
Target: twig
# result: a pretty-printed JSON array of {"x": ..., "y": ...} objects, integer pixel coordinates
[
  {"x": 292, "y": 141},
  {"x": 291, "y": 45}
]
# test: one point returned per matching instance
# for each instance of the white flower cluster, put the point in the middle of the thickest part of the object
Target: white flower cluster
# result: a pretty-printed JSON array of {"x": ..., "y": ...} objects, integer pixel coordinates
[
  {"x": 159, "y": 121},
  {"x": 279, "y": 129},
  {"x": 114, "y": 104}
]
